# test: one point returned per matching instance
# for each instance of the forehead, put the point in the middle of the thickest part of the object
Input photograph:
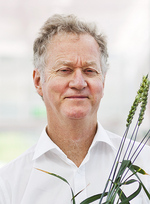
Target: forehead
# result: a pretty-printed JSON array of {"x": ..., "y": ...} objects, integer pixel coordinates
[
  {"x": 64, "y": 39},
  {"x": 73, "y": 48}
]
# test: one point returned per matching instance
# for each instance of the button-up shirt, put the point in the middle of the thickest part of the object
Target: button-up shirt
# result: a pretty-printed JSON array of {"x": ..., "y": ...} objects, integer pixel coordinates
[{"x": 22, "y": 183}]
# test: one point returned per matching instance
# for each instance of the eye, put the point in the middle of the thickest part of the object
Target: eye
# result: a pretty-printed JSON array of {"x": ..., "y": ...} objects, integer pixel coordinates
[
  {"x": 91, "y": 72},
  {"x": 64, "y": 71}
]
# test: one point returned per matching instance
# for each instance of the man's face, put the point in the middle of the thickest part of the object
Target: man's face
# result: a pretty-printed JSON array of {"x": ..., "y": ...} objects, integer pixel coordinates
[{"x": 74, "y": 83}]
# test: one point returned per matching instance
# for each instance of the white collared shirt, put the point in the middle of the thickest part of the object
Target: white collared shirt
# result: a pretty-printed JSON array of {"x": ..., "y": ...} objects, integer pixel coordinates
[{"x": 22, "y": 183}]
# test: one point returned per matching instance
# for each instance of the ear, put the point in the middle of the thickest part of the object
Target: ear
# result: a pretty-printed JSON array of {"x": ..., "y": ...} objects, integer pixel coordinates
[
  {"x": 104, "y": 77},
  {"x": 37, "y": 81}
]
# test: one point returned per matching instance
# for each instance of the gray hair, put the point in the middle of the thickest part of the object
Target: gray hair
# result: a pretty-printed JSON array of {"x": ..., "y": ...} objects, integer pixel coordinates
[{"x": 67, "y": 24}]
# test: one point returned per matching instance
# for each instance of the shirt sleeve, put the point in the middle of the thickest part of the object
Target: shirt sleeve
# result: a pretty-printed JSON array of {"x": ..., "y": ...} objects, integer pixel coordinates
[{"x": 4, "y": 195}]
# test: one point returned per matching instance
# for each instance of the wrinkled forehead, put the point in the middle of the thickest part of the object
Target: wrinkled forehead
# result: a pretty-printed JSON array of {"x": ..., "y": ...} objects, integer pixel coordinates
[{"x": 73, "y": 48}]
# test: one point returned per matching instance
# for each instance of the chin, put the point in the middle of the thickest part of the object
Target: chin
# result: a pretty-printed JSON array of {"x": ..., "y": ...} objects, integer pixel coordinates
[{"x": 77, "y": 114}]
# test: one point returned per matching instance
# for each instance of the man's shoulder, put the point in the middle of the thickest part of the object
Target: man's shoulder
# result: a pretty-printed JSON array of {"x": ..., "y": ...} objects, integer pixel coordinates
[
  {"x": 116, "y": 139},
  {"x": 15, "y": 175},
  {"x": 134, "y": 147},
  {"x": 21, "y": 163}
]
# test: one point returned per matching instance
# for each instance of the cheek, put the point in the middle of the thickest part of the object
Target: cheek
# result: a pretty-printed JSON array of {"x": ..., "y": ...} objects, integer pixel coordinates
[
  {"x": 98, "y": 91},
  {"x": 55, "y": 89}
]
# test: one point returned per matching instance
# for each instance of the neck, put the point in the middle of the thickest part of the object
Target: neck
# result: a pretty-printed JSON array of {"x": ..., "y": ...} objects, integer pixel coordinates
[{"x": 73, "y": 137}]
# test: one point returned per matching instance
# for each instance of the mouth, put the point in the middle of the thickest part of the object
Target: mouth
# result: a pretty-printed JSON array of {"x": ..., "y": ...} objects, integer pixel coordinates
[{"x": 77, "y": 97}]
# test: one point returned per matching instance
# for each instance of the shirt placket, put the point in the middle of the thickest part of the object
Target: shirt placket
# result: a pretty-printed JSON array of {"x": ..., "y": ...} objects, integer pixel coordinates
[{"x": 80, "y": 184}]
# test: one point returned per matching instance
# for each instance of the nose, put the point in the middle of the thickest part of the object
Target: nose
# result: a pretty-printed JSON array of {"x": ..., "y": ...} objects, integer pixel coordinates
[{"x": 77, "y": 81}]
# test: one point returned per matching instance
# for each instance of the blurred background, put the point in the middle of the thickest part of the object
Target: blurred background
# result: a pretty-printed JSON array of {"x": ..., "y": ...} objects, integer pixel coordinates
[{"x": 22, "y": 113}]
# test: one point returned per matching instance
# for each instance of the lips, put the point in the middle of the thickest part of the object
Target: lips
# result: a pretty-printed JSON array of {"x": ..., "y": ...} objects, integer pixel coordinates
[{"x": 77, "y": 97}]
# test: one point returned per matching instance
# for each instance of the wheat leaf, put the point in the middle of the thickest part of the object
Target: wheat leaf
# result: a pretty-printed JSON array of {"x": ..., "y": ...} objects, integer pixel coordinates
[{"x": 92, "y": 198}]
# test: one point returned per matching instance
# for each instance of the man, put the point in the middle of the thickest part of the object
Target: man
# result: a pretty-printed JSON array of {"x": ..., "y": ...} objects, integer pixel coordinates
[{"x": 70, "y": 61}]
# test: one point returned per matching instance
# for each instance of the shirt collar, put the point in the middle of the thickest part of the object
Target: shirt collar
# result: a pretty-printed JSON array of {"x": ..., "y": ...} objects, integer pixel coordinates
[
  {"x": 45, "y": 144},
  {"x": 102, "y": 136}
]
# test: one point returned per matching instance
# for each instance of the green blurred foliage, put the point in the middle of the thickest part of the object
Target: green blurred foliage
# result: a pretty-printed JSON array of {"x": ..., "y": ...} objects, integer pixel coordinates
[{"x": 12, "y": 144}]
